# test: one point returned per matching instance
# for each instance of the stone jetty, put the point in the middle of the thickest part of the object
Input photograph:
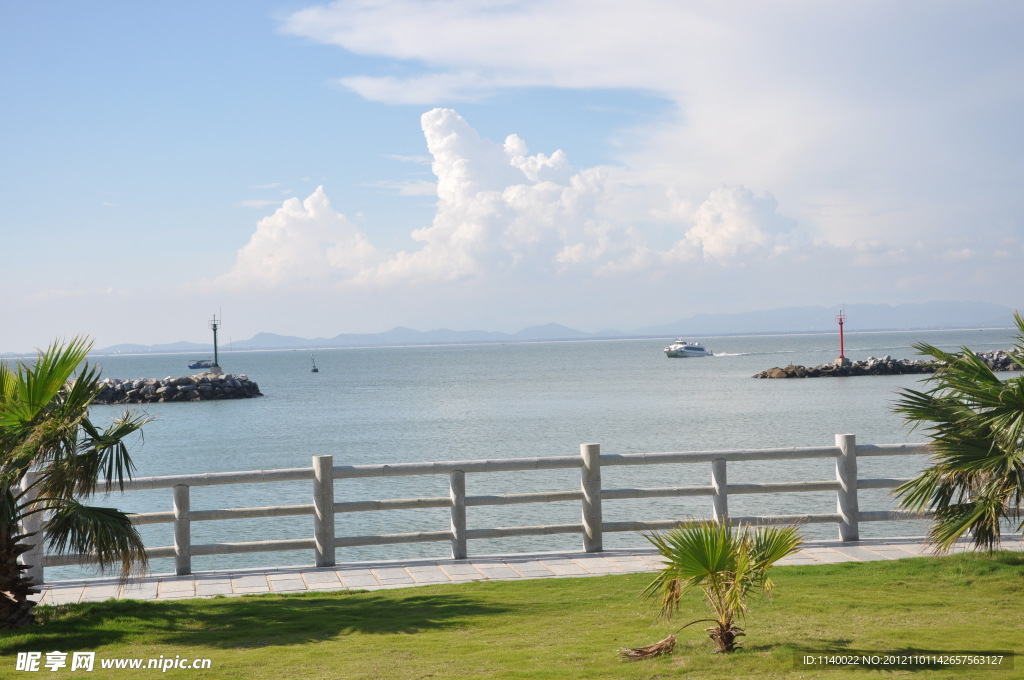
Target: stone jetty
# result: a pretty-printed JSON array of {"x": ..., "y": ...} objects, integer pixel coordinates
[
  {"x": 997, "y": 360},
  {"x": 199, "y": 387}
]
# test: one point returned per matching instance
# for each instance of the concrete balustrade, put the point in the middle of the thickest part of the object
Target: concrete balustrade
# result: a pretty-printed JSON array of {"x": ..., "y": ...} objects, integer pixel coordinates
[
  {"x": 182, "y": 531},
  {"x": 457, "y": 485},
  {"x": 720, "y": 483},
  {"x": 32, "y": 524},
  {"x": 591, "y": 494},
  {"x": 846, "y": 495},
  {"x": 590, "y": 480},
  {"x": 323, "y": 504}
]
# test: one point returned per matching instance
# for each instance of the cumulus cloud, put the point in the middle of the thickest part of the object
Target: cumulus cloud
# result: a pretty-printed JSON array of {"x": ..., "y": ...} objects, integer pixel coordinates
[
  {"x": 734, "y": 223},
  {"x": 303, "y": 243},
  {"x": 500, "y": 210}
]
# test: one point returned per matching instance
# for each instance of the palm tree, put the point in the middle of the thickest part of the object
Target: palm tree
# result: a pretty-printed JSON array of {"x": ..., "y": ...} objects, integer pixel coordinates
[
  {"x": 726, "y": 563},
  {"x": 52, "y": 458},
  {"x": 976, "y": 424}
]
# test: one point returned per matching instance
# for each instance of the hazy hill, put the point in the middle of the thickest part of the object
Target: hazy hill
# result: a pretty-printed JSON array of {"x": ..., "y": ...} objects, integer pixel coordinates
[
  {"x": 171, "y": 347},
  {"x": 861, "y": 317},
  {"x": 395, "y": 336}
]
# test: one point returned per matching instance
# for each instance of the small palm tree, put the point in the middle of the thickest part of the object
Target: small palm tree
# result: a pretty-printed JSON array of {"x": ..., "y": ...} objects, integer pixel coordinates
[
  {"x": 976, "y": 424},
  {"x": 726, "y": 563},
  {"x": 45, "y": 429}
]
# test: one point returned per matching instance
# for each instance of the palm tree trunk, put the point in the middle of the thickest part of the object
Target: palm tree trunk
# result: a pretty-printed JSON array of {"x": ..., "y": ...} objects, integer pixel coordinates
[
  {"x": 724, "y": 635},
  {"x": 15, "y": 587}
]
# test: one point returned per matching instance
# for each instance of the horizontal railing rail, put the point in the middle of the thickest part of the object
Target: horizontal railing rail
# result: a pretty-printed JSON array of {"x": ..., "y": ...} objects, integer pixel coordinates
[{"x": 323, "y": 473}]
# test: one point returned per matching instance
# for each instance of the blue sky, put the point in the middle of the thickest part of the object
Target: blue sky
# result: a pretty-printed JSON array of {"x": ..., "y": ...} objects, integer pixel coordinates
[{"x": 716, "y": 157}]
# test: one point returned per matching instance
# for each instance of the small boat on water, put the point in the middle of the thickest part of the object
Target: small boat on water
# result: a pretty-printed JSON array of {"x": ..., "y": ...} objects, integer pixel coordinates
[
  {"x": 201, "y": 363},
  {"x": 314, "y": 369},
  {"x": 683, "y": 348}
]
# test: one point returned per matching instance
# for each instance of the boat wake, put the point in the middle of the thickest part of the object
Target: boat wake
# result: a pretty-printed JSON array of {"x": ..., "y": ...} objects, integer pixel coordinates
[{"x": 752, "y": 354}]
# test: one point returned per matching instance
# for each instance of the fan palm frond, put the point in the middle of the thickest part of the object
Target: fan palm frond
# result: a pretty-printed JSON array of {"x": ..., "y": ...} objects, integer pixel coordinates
[
  {"x": 104, "y": 533},
  {"x": 726, "y": 563},
  {"x": 45, "y": 427},
  {"x": 976, "y": 425}
]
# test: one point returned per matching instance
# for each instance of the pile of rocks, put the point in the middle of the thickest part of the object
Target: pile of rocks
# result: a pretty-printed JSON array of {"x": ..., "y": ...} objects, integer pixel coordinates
[
  {"x": 200, "y": 387},
  {"x": 997, "y": 360}
]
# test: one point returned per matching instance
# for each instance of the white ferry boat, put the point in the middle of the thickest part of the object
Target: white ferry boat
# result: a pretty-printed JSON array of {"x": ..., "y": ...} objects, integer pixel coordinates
[{"x": 681, "y": 348}]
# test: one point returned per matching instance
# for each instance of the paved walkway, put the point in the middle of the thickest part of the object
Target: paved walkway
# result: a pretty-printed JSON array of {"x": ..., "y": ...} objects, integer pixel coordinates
[{"x": 414, "y": 572}]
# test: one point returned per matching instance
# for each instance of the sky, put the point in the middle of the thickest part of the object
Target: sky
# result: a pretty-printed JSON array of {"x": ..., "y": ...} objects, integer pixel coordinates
[{"x": 316, "y": 169}]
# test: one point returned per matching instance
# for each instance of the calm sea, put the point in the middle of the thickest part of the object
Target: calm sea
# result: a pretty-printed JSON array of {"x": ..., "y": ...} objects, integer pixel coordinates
[{"x": 405, "y": 404}]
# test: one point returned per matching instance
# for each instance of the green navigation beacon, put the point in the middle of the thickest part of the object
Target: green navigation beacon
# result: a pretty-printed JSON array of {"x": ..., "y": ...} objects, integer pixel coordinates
[{"x": 215, "y": 324}]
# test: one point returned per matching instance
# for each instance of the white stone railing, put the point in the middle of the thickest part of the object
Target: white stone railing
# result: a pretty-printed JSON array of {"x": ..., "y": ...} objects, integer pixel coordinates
[{"x": 323, "y": 473}]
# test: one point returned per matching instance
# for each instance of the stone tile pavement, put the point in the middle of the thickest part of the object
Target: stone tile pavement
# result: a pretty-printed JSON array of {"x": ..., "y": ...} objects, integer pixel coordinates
[{"x": 414, "y": 572}]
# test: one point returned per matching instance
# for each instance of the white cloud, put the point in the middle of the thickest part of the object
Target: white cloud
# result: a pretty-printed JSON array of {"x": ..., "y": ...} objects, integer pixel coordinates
[
  {"x": 475, "y": 48},
  {"x": 422, "y": 160},
  {"x": 501, "y": 210},
  {"x": 303, "y": 243},
  {"x": 959, "y": 254},
  {"x": 417, "y": 187},
  {"x": 868, "y": 121},
  {"x": 430, "y": 88},
  {"x": 734, "y": 223},
  {"x": 498, "y": 207}
]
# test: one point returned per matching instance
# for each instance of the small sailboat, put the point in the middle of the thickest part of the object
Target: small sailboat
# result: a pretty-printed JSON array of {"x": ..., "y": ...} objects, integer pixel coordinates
[{"x": 314, "y": 369}]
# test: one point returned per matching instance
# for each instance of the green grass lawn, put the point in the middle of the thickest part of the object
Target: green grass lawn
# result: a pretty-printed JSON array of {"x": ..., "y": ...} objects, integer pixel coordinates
[{"x": 554, "y": 628}]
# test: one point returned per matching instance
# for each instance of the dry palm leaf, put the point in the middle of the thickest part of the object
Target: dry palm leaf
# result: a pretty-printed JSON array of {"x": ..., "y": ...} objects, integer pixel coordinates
[{"x": 657, "y": 649}]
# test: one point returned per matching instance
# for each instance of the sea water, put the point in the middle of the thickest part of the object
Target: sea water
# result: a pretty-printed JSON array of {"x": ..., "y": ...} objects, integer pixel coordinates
[{"x": 460, "y": 402}]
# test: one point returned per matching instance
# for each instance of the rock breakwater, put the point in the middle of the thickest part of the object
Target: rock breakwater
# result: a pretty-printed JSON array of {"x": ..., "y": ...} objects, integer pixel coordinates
[
  {"x": 199, "y": 387},
  {"x": 997, "y": 360}
]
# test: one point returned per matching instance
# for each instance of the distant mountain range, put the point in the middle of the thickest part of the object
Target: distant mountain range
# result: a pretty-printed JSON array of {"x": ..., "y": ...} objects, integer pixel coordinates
[
  {"x": 393, "y": 337},
  {"x": 862, "y": 317}
]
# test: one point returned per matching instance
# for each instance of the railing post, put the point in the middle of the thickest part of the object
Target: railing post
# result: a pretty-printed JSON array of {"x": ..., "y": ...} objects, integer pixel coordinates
[
  {"x": 457, "y": 487},
  {"x": 323, "y": 504},
  {"x": 590, "y": 479},
  {"x": 182, "y": 532},
  {"x": 720, "y": 480},
  {"x": 29, "y": 525},
  {"x": 846, "y": 497}
]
